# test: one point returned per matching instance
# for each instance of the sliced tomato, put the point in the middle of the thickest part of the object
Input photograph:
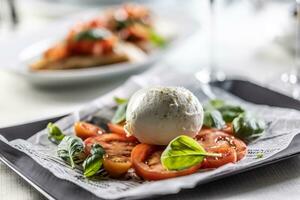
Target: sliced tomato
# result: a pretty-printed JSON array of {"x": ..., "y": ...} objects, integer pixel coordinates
[
  {"x": 117, "y": 148},
  {"x": 116, "y": 167},
  {"x": 116, "y": 128},
  {"x": 228, "y": 156},
  {"x": 119, "y": 129},
  {"x": 146, "y": 162},
  {"x": 85, "y": 130},
  {"x": 231, "y": 148}
]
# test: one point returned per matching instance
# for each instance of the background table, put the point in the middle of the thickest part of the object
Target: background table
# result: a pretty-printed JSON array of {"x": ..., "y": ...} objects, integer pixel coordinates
[{"x": 242, "y": 52}]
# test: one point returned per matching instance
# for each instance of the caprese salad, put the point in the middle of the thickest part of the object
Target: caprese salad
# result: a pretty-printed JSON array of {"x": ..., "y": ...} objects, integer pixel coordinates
[{"x": 159, "y": 133}]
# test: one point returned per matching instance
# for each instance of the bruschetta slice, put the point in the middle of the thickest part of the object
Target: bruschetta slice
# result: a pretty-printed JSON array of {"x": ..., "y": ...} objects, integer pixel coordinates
[
  {"x": 134, "y": 23},
  {"x": 87, "y": 47}
]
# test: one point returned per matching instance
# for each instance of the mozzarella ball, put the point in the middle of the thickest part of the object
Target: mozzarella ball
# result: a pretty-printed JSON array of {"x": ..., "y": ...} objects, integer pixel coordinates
[{"x": 157, "y": 115}]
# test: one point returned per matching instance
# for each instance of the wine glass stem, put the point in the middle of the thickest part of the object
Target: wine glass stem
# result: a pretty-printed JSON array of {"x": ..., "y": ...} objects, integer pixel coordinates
[
  {"x": 297, "y": 54},
  {"x": 212, "y": 37}
]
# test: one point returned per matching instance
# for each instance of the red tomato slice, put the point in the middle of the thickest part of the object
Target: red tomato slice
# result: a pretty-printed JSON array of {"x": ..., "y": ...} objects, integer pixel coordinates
[
  {"x": 146, "y": 162},
  {"x": 231, "y": 148},
  {"x": 115, "y": 128},
  {"x": 228, "y": 156},
  {"x": 119, "y": 129},
  {"x": 117, "y": 148},
  {"x": 85, "y": 130}
]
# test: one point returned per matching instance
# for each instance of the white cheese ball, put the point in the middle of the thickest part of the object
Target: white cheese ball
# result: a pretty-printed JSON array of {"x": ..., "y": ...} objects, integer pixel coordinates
[{"x": 157, "y": 115}]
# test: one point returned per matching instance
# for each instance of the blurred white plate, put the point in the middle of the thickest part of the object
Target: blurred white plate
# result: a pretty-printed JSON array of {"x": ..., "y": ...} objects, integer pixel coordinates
[{"x": 178, "y": 26}]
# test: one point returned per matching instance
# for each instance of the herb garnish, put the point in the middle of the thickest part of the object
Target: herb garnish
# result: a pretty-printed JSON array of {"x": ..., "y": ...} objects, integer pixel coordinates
[
  {"x": 157, "y": 39},
  {"x": 213, "y": 118},
  {"x": 92, "y": 34},
  {"x": 259, "y": 155},
  {"x": 228, "y": 111},
  {"x": 71, "y": 150},
  {"x": 183, "y": 152},
  {"x": 247, "y": 127},
  {"x": 93, "y": 163},
  {"x": 119, "y": 100},
  {"x": 120, "y": 114},
  {"x": 55, "y": 135},
  {"x": 125, "y": 23}
]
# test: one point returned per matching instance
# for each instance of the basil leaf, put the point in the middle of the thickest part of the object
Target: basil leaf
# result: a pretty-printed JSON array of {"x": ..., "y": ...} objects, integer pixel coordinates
[
  {"x": 213, "y": 119},
  {"x": 119, "y": 100},
  {"x": 228, "y": 112},
  {"x": 120, "y": 114},
  {"x": 55, "y": 135},
  {"x": 71, "y": 150},
  {"x": 92, "y": 34},
  {"x": 217, "y": 103},
  {"x": 259, "y": 155},
  {"x": 157, "y": 39},
  {"x": 247, "y": 127},
  {"x": 94, "y": 162},
  {"x": 183, "y": 152},
  {"x": 124, "y": 23}
]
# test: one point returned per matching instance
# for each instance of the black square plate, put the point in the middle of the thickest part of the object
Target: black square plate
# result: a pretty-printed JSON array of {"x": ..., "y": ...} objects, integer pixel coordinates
[{"x": 55, "y": 188}]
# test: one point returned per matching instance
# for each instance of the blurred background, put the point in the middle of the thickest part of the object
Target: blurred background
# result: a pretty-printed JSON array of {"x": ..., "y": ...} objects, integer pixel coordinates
[{"x": 245, "y": 39}]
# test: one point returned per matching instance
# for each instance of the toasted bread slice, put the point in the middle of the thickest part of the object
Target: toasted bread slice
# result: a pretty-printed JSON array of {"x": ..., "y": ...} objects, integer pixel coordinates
[
  {"x": 76, "y": 62},
  {"x": 124, "y": 53}
]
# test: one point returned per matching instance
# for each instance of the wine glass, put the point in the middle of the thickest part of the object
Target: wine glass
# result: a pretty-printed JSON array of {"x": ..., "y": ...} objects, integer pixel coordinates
[
  {"x": 291, "y": 80},
  {"x": 212, "y": 72}
]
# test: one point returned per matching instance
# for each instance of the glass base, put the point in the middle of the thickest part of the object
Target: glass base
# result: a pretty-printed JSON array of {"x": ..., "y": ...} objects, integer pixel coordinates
[
  {"x": 206, "y": 76},
  {"x": 288, "y": 84},
  {"x": 209, "y": 75}
]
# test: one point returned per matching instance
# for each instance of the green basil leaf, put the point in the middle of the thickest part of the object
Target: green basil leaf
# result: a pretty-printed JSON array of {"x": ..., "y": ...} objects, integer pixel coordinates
[
  {"x": 157, "y": 39},
  {"x": 120, "y": 114},
  {"x": 213, "y": 119},
  {"x": 120, "y": 101},
  {"x": 55, "y": 135},
  {"x": 92, "y": 34},
  {"x": 71, "y": 150},
  {"x": 259, "y": 155},
  {"x": 127, "y": 22},
  {"x": 228, "y": 112},
  {"x": 217, "y": 103},
  {"x": 122, "y": 24},
  {"x": 97, "y": 149},
  {"x": 183, "y": 152},
  {"x": 93, "y": 163},
  {"x": 247, "y": 127}
]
